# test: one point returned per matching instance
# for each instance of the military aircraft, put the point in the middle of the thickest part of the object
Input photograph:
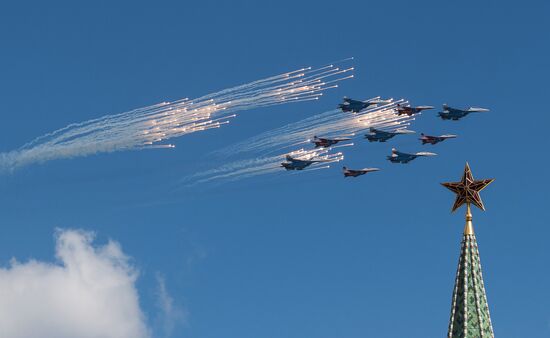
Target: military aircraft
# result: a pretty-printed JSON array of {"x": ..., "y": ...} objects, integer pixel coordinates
[
  {"x": 327, "y": 142},
  {"x": 399, "y": 157},
  {"x": 355, "y": 106},
  {"x": 376, "y": 135},
  {"x": 450, "y": 113},
  {"x": 297, "y": 164},
  {"x": 434, "y": 139},
  {"x": 401, "y": 109},
  {"x": 358, "y": 172}
]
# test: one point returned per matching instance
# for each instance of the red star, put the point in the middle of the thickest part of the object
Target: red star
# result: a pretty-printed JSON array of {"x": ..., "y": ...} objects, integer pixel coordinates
[{"x": 467, "y": 190}]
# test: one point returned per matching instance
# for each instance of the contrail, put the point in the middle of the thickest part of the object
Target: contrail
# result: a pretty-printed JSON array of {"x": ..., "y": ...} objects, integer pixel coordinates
[
  {"x": 144, "y": 128},
  {"x": 258, "y": 150}
]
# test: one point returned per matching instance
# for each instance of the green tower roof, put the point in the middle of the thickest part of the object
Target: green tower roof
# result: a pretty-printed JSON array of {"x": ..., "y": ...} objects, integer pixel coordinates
[
  {"x": 470, "y": 316},
  {"x": 470, "y": 311}
]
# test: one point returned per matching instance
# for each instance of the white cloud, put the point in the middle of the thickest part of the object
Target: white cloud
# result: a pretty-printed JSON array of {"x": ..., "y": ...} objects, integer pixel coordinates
[
  {"x": 89, "y": 293},
  {"x": 170, "y": 313}
]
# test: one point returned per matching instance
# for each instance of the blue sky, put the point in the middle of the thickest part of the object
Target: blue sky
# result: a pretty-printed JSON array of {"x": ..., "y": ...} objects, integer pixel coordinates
[{"x": 309, "y": 255}]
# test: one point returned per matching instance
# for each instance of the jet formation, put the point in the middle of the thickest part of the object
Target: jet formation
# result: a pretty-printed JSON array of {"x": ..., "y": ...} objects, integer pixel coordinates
[
  {"x": 293, "y": 163},
  {"x": 401, "y": 157},
  {"x": 357, "y": 172},
  {"x": 327, "y": 142},
  {"x": 382, "y": 134},
  {"x": 376, "y": 135},
  {"x": 407, "y": 110},
  {"x": 427, "y": 139},
  {"x": 355, "y": 106},
  {"x": 455, "y": 114}
]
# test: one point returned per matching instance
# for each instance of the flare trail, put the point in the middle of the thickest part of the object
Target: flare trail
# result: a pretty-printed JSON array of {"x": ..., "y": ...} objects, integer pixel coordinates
[
  {"x": 264, "y": 165},
  {"x": 145, "y": 127}
]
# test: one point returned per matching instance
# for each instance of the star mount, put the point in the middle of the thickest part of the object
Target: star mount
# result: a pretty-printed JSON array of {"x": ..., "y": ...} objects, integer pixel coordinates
[{"x": 467, "y": 190}]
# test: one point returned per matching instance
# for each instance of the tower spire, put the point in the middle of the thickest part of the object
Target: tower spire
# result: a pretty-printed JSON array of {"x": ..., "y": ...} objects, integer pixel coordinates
[
  {"x": 469, "y": 227},
  {"x": 470, "y": 316}
]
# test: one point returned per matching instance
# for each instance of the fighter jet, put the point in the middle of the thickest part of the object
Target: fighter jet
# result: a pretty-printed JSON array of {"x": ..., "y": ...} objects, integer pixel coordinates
[
  {"x": 296, "y": 164},
  {"x": 401, "y": 109},
  {"x": 449, "y": 113},
  {"x": 376, "y": 135},
  {"x": 434, "y": 139},
  {"x": 327, "y": 142},
  {"x": 355, "y": 106},
  {"x": 399, "y": 157},
  {"x": 358, "y": 172}
]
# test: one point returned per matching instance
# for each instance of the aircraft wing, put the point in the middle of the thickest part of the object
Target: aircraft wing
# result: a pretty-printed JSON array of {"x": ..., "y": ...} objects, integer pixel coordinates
[
  {"x": 425, "y": 153},
  {"x": 451, "y": 110},
  {"x": 396, "y": 153},
  {"x": 379, "y": 132},
  {"x": 297, "y": 161},
  {"x": 352, "y": 101},
  {"x": 321, "y": 160},
  {"x": 477, "y": 109},
  {"x": 404, "y": 131}
]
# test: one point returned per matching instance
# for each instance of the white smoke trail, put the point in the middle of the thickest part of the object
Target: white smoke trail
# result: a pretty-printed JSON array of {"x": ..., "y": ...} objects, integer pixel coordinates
[
  {"x": 333, "y": 122},
  {"x": 264, "y": 165},
  {"x": 145, "y": 127}
]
